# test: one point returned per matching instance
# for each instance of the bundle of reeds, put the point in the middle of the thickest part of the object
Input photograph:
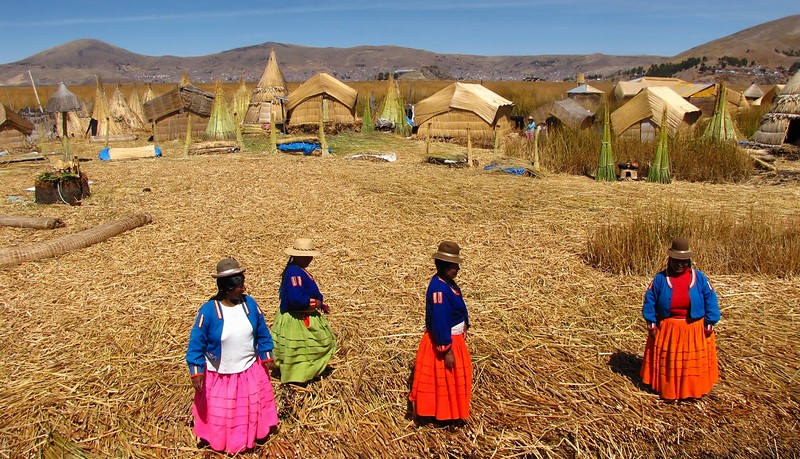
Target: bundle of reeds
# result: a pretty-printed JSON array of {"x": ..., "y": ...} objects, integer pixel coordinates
[{"x": 220, "y": 124}]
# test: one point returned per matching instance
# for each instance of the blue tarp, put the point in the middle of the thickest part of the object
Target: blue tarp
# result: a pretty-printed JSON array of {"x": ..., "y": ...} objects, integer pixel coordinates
[
  {"x": 507, "y": 170},
  {"x": 305, "y": 147}
]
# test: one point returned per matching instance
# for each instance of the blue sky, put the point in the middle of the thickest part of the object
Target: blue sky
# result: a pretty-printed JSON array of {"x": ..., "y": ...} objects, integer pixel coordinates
[{"x": 482, "y": 27}]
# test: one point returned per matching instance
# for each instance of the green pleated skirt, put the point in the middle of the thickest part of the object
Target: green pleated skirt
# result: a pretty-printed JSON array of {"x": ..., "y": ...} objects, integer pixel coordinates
[{"x": 302, "y": 351}]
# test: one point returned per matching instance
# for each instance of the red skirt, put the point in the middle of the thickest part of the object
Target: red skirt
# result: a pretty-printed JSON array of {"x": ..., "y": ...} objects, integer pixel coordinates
[
  {"x": 681, "y": 362},
  {"x": 437, "y": 391}
]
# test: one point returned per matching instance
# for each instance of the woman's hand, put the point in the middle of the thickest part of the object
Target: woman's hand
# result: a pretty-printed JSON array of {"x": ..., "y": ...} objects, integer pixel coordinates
[
  {"x": 314, "y": 303},
  {"x": 269, "y": 365},
  {"x": 198, "y": 382},
  {"x": 653, "y": 332},
  {"x": 449, "y": 360}
]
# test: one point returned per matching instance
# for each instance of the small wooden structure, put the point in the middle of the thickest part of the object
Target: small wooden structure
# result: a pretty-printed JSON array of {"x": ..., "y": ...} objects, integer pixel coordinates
[
  {"x": 14, "y": 129},
  {"x": 171, "y": 113},
  {"x": 587, "y": 96}
]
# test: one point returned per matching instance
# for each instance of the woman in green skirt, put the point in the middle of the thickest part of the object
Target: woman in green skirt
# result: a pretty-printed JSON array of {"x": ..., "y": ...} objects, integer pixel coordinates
[{"x": 304, "y": 342}]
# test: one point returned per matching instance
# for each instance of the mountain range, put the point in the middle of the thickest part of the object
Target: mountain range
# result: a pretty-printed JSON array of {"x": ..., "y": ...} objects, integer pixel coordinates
[{"x": 768, "y": 49}]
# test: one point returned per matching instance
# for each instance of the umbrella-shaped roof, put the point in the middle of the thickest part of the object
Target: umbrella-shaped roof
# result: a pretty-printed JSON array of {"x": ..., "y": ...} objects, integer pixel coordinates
[{"x": 63, "y": 100}]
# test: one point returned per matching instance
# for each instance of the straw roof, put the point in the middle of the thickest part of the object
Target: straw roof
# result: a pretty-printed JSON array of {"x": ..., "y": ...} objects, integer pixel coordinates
[
  {"x": 650, "y": 104},
  {"x": 468, "y": 97},
  {"x": 10, "y": 120},
  {"x": 567, "y": 112},
  {"x": 785, "y": 111},
  {"x": 627, "y": 89},
  {"x": 63, "y": 100},
  {"x": 753, "y": 92},
  {"x": 323, "y": 84},
  {"x": 272, "y": 78}
]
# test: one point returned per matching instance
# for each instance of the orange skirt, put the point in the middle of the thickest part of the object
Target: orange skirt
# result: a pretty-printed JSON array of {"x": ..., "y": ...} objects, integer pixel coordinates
[
  {"x": 437, "y": 391},
  {"x": 681, "y": 362}
]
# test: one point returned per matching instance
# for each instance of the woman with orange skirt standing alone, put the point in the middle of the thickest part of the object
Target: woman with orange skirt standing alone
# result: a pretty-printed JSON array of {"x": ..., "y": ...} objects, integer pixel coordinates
[
  {"x": 443, "y": 369},
  {"x": 681, "y": 310}
]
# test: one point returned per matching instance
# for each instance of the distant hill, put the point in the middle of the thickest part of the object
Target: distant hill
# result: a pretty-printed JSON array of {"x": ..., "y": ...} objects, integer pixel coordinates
[{"x": 770, "y": 45}]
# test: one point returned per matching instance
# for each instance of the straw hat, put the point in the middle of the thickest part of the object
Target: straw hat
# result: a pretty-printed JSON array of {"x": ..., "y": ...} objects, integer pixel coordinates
[
  {"x": 302, "y": 247},
  {"x": 448, "y": 251},
  {"x": 680, "y": 249},
  {"x": 228, "y": 267}
]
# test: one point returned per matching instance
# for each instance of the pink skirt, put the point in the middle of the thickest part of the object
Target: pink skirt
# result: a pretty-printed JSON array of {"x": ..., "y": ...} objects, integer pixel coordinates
[{"x": 233, "y": 410}]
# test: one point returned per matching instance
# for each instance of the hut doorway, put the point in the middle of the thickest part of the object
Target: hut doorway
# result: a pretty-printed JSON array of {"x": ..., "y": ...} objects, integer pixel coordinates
[{"x": 793, "y": 132}]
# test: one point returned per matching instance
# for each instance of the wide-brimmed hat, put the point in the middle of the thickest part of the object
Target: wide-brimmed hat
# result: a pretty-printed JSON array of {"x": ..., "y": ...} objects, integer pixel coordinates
[
  {"x": 302, "y": 247},
  {"x": 448, "y": 251},
  {"x": 228, "y": 267},
  {"x": 680, "y": 249}
]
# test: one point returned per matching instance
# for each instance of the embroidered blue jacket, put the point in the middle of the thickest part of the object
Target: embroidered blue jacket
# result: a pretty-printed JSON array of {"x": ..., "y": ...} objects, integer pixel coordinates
[
  {"x": 444, "y": 308},
  {"x": 297, "y": 288},
  {"x": 205, "y": 338},
  {"x": 702, "y": 296}
]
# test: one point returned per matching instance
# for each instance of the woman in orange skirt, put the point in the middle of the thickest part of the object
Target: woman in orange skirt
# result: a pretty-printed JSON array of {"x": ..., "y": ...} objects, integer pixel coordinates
[
  {"x": 681, "y": 310},
  {"x": 443, "y": 369}
]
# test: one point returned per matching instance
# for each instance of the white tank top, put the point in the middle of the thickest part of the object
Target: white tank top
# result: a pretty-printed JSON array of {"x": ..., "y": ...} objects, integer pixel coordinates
[{"x": 236, "y": 349}]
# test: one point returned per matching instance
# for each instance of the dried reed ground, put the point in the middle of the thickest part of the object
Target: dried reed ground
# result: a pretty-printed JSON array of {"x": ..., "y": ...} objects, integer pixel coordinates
[{"x": 92, "y": 343}]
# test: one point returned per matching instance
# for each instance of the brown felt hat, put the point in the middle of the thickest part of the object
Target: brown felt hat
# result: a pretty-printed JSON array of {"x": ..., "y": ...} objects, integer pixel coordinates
[
  {"x": 302, "y": 247},
  {"x": 228, "y": 267},
  {"x": 680, "y": 249},
  {"x": 448, "y": 251}
]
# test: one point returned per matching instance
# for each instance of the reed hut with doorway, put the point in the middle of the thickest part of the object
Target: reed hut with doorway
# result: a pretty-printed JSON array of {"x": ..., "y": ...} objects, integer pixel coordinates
[
  {"x": 171, "y": 113},
  {"x": 782, "y": 124},
  {"x": 325, "y": 98},
  {"x": 461, "y": 109},
  {"x": 565, "y": 112},
  {"x": 14, "y": 129},
  {"x": 641, "y": 116},
  {"x": 587, "y": 96},
  {"x": 266, "y": 104}
]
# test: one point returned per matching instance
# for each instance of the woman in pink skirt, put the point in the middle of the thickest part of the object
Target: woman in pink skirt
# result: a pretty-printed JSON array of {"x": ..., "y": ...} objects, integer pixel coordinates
[{"x": 229, "y": 357}]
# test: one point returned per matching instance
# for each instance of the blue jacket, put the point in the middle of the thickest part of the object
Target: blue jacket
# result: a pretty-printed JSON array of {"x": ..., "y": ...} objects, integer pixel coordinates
[
  {"x": 297, "y": 288},
  {"x": 444, "y": 308},
  {"x": 702, "y": 296},
  {"x": 205, "y": 338}
]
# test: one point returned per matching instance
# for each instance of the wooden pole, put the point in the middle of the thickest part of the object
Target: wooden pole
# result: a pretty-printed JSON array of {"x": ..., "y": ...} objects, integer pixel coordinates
[
  {"x": 428, "y": 141},
  {"x": 322, "y": 141},
  {"x": 469, "y": 148},
  {"x": 188, "y": 134},
  {"x": 273, "y": 135},
  {"x": 536, "y": 148}
]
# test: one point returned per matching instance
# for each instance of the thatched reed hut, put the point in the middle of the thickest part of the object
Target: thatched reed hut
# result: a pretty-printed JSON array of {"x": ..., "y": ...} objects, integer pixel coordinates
[
  {"x": 322, "y": 97},
  {"x": 753, "y": 94},
  {"x": 641, "y": 116},
  {"x": 122, "y": 113},
  {"x": 461, "y": 109},
  {"x": 106, "y": 123},
  {"x": 587, "y": 96},
  {"x": 13, "y": 129},
  {"x": 173, "y": 111},
  {"x": 266, "y": 104},
  {"x": 782, "y": 124},
  {"x": 566, "y": 112},
  {"x": 706, "y": 99},
  {"x": 772, "y": 93}
]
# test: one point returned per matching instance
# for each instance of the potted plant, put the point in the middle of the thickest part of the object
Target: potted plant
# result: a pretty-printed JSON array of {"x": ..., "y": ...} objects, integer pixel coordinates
[{"x": 65, "y": 182}]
